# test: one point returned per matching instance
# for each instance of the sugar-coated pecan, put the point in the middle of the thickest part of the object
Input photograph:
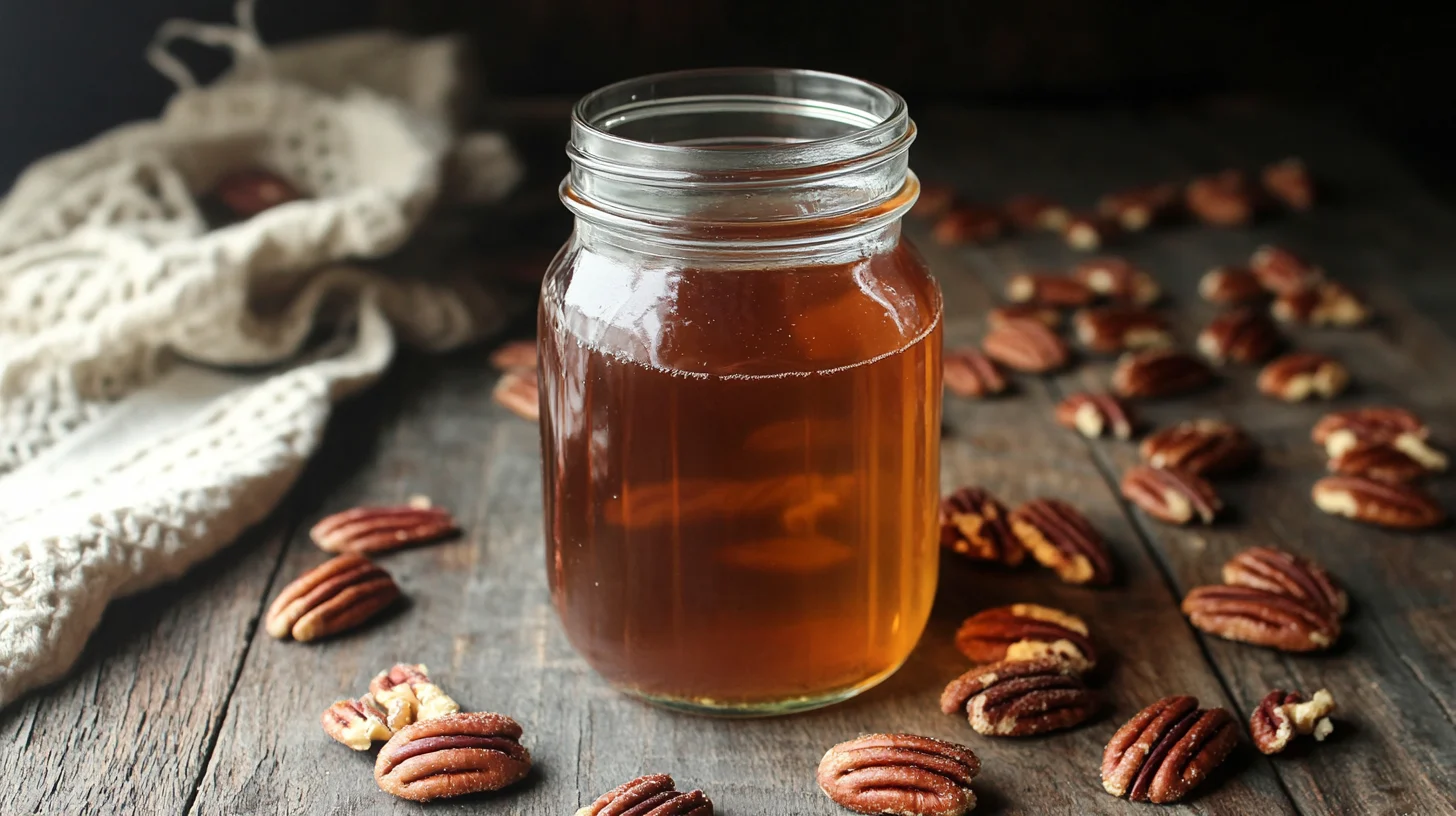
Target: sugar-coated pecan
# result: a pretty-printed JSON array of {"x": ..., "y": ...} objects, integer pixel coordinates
[
  {"x": 1281, "y": 271},
  {"x": 1118, "y": 280},
  {"x": 998, "y": 316},
  {"x": 1026, "y": 345},
  {"x": 1140, "y": 207},
  {"x": 1339, "y": 431},
  {"x": 1381, "y": 461},
  {"x": 1159, "y": 373},
  {"x": 968, "y": 224},
  {"x": 968, "y": 373},
  {"x": 1289, "y": 182},
  {"x": 1283, "y": 715},
  {"x": 409, "y": 695},
  {"x": 1018, "y": 698},
  {"x": 1231, "y": 285},
  {"x": 1094, "y": 415},
  {"x": 356, "y": 723},
  {"x": 1239, "y": 336},
  {"x": 1223, "y": 199},
  {"x": 974, "y": 524},
  {"x": 1111, "y": 329},
  {"x": 1166, "y": 750},
  {"x": 245, "y": 193},
  {"x": 451, "y": 756},
  {"x": 934, "y": 200},
  {"x": 1034, "y": 212},
  {"x": 1326, "y": 303},
  {"x": 1206, "y": 447},
  {"x": 1061, "y": 539},
  {"x": 1090, "y": 231},
  {"x": 1261, "y": 617},
  {"x": 651, "y": 795},
  {"x": 1171, "y": 494},
  {"x": 1400, "y": 506},
  {"x": 339, "y": 594},
  {"x": 900, "y": 774},
  {"x": 1300, "y": 375},
  {"x": 517, "y": 355},
  {"x": 519, "y": 392},
  {"x": 379, "y": 529},
  {"x": 1287, "y": 574},
  {"x": 1026, "y": 632},
  {"x": 1047, "y": 290}
]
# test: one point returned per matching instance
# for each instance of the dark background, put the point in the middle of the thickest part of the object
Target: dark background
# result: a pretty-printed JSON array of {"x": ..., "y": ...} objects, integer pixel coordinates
[{"x": 71, "y": 68}]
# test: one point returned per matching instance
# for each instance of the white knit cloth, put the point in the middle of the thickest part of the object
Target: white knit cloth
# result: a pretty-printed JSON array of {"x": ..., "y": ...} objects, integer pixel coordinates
[{"x": 123, "y": 462}]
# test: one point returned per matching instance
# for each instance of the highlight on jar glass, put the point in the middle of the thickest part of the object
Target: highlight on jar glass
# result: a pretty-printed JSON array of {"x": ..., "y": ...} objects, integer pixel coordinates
[{"x": 740, "y": 391}]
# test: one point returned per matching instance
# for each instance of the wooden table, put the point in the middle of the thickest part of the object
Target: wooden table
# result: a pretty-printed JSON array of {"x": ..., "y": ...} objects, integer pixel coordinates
[{"x": 181, "y": 704}]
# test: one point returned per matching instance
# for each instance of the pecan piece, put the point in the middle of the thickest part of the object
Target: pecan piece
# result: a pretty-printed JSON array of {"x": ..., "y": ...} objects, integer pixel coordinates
[
  {"x": 1026, "y": 345},
  {"x": 1400, "y": 506},
  {"x": 1287, "y": 574},
  {"x": 1026, "y": 632},
  {"x": 1118, "y": 280},
  {"x": 1025, "y": 311},
  {"x": 517, "y": 355},
  {"x": 1062, "y": 539},
  {"x": 406, "y": 690},
  {"x": 245, "y": 193},
  {"x": 520, "y": 393},
  {"x": 1093, "y": 415},
  {"x": 1166, "y": 749},
  {"x": 1204, "y": 447},
  {"x": 1261, "y": 617},
  {"x": 1159, "y": 373},
  {"x": 379, "y": 529},
  {"x": 1230, "y": 285},
  {"x": 1140, "y": 207},
  {"x": 1299, "y": 375},
  {"x": 967, "y": 224},
  {"x": 1047, "y": 290},
  {"x": 1033, "y": 212},
  {"x": 339, "y": 594},
  {"x": 1018, "y": 698},
  {"x": 934, "y": 200},
  {"x": 1239, "y": 336},
  {"x": 451, "y": 756},
  {"x": 1223, "y": 200},
  {"x": 356, "y": 723},
  {"x": 1289, "y": 182},
  {"x": 1170, "y": 494},
  {"x": 969, "y": 373},
  {"x": 1283, "y": 715},
  {"x": 974, "y": 524},
  {"x": 901, "y": 774},
  {"x": 1324, "y": 304},
  {"x": 1090, "y": 231},
  {"x": 1381, "y": 461},
  {"x": 1341, "y": 430},
  {"x": 651, "y": 795},
  {"x": 1110, "y": 329},
  {"x": 1281, "y": 271}
]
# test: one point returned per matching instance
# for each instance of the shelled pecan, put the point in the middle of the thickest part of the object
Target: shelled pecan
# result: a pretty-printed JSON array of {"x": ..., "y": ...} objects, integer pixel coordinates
[
  {"x": 409, "y": 695},
  {"x": 1026, "y": 632},
  {"x": 1061, "y": 539},
  {"x": 520, "y": 393},
  {"x": 654, "y": 795},
  {"x": 974, "y": 524},
  {"x": 1223, "y": 199},
  {"x": 968, "y": 224},
  {"x": 337, "y": 595},
  {"x": 452, "y": 755},
  {"x": 1285, "y": 573},
  {"x": 1339, "y": 431},
  {"x": 1239, "y": 336},
  {"x": 1166, "y": 750},
  {"x": 370, "y": 530},
  {"x": 1110, "y": 329},
  {"x": 1000, "y": 315},
  {"x": 1381, "y": 461},
  {"x": 1289, "y": 182},
  {"x": 968, "y": 373},
  {"x": 1300, "y": 375},
  {"x": 517, "y": 355},
  {"x": 1026, "y": 345},
  {"x": 1118, "y": 280},
  {"x": 1090, "y": 231},
  {"x": 1205, "y": 447},
  {"x": 1138, "y": 208},
  {"x": 1281, "y": 271},
  {"x": 1325, "y": 303},
  {"x": 1047, "y": 290},
  {"x": 1261, "y": 617},
  {"x": 356, "y": 723},
  {"x": 1231, "y": 285},
  {"x": 901, "y": 774},
  {"x": 1159, "y": 373},
  {"x": 1171, "y": 494},
  {"x": 1283, "y": 715},
  {"x": 1018, "y": 698},
  {"x": 1094, "y": 415},
  {"x": 246, "y": 193},
  {"x": 1034, "y": 212},
  {"x": 1399, "y": 506}
]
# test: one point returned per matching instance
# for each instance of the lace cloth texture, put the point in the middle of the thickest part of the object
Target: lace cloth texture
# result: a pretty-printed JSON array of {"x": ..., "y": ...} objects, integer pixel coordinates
[{"x": 162, "y": 383}]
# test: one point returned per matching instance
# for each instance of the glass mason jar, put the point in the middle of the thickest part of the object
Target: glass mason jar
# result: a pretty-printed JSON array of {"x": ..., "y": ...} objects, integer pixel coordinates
[{"x": 740, "y": 391}]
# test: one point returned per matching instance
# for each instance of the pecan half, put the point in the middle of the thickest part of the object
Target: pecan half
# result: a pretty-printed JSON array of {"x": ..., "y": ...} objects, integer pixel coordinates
[
  {"x": 1324, "y": 304},
  {"x": 651, "y": 795},
  {"x": 1287, "y": 574},
  {"x": 1381, "y": 461},
  {"x": 1261, "y": 617},
  {"x": 379, "y": 529},
  {"x": 1093, "y": 415},
  {"x": 998, "y": 316},
  {"x": 1283, "y": 715},
  {"x": 356, "y": 723},
  {"x": 1118, "y": 280},
  {"x": 519, "y": 392},
  {"x": 1062, "y": 539},
  {"x": 1239, "y": 336},
  {"x": 1400, "y": 506},
  {"x": 1289, "y": 182},
  {"x": 1159, "y": 373},
  {"x": 1026, "y": 632},
  {"x": 1018, "y": 698},
  {"x": 1140, "y": 207},
  {"x": 451, "y": 756},
  {"x": 1026, "y": 345},
  {"x": 409, "y": 695},
  {"x": 1339, "y": 431},
  {"x": 1301, "y": 375},
  {"x": 900, "y": 774},
  {"x": 516, "y": 355},
  {"x": 1223, "y": 200},
  {"x": 968, "y": 373},
  {"x": 1231, "y": 285},
  {"x": 1034, "y": 212},
  {"x": 1166, "y": 749},
  {"x": 1111, "y": 329},
  {"x": 967, "y": 224},
  {"x": 934, "y": 200},
  {"x": 1047, "y": 290},
  {"x": 974, "y": 524},
  {"x": 245, "y": 193},
  {"x": 1171, "y": 494},
  {"x": 339, "y": 594},
  {"x": 1281, "y": 271},
  {"x": 1205, "y": 447},
  {"x": 1090, "y": 231}
]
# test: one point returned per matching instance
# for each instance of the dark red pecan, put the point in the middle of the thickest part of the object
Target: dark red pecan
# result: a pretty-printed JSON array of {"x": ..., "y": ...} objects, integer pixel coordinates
[
  {"x": 1026, "y": 632},
  {"x": 901, "y": 774},
  {"x": 1026, "y": 345},
  {"x": 1239, "y": 336},
  {"x": 1018, "y": 698},
  {"x": 452, "y": 756},
  {"x": 1400, "y": 506},
  {"x": 1170, "y": 494},
  {"x": 1118, "y": 280},
  {"x": 968, "y": 373},
  {"x": 1047, "y": 290},
  {"x": 1224, "y": 199},
  {"x": 967, "y": 224},
  {"x": 1381, "y": 461},
  {"x": 1289, "y": 182},
  {"x": 934, "y": 200},
  {"x": 1301, "y": 375},
  {"x": 974, "y": 524},
  {"x": 1166, "y": 749},
  {"x": 1261, "y": 617},
  {"x": 1159, "y": 373},
  {"x": 517, "y": 355},
  {"x": 339, "y": 594},
  {"x": 999, "y": 316},
  {"x": 1287, "y": 574},
  {"x": 1062, "y": 539},
  {"x": 356, "y": 723},
  {"x": 652, "y": 795},
  {"x": 1206, "y": 447},
  {"x": 1339, "y": 431},
  {"x": 1140, "y": 207},
  {"x": 519, "y": 392},
  {"x": 245, "y": 193},
  {"x": 1090, "y": 231},
  {"x": 1326, "y": 303},
  {"x": 1283, "y": 715},
  {"x": 380, "y": 529},
  {"x": 1231, "y": 285},
  {"x": 1281, "y": 271},
  {"x": 1094, "y": 415},
  {"x": 1110, "y": 329},
  {"x": 1034, "y": 212}
]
